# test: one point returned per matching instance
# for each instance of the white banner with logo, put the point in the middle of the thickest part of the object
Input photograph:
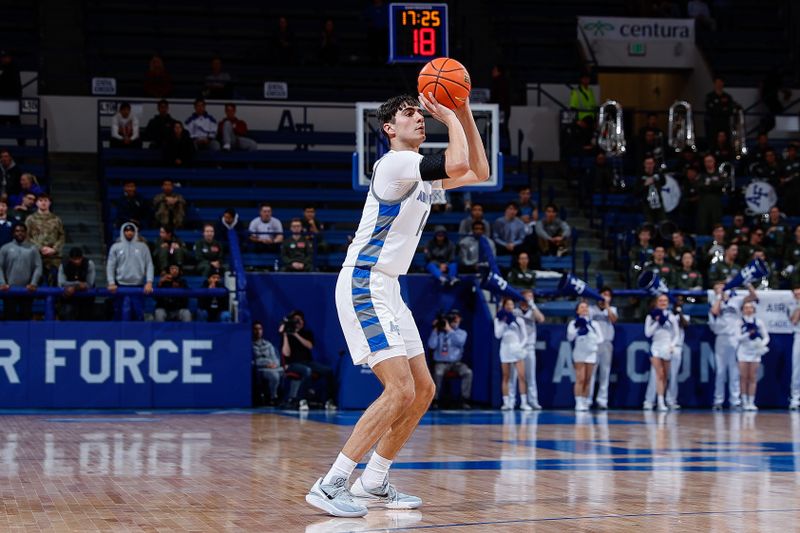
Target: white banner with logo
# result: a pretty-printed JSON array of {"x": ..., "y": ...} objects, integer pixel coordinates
[
  {"x": 638, "y": 42},
  {"x": 773, "y": 307}
]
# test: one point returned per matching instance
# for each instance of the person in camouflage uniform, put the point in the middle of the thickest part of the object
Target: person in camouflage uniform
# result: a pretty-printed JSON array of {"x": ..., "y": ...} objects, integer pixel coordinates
[
  {"x": 46, "y": 231},
  {"x": 208, "y": 252},
  {"x": 168, "y": 250},
  {"x": 687, "y": 278},
  {"x": 640, "y": 253},
  {"x": 678, "y": 248},
  {"x": 723, "y": 270},
  {"x": 170, "y": 207},
  {"x": 297, "y": 253}
]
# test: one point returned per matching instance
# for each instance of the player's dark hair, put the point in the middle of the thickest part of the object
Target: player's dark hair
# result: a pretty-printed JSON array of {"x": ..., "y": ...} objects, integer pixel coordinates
[
  {"x": 608, "y": 289},
  {"x": 124, "y": 105},
  {"x": 479, "y": 223},
  {"x": 512, "y": 204},
  {"x": 262, "y": 205},
  {"x": 390, "y": 107},
  {"x": 551, "y": 205}
]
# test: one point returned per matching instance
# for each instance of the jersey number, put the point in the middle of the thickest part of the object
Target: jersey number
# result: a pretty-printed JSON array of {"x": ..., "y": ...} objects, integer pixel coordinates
[{"x": 422, "y": 223}]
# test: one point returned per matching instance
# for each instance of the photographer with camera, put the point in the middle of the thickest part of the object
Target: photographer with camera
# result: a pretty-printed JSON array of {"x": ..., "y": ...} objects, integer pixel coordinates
[
  {"x": 447, "y": 341},
  {"x": 298, "y": 341}
]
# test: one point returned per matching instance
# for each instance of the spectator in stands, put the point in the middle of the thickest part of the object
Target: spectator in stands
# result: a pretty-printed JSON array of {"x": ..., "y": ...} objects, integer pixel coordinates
[
  {"x": 739, "y": 232},
  {"x": 447, "y": 342},
  {"x": 131, "y": 207},
  {"x": 27, "y": 184},
  {"x": 580, "y": 138},
  {"x": 125, "y": 128},
  {"x": 659, "y": 265},
  {"x": 688, "y": 159},
  {"x": 160, "y": 127},
  {"x": 157, "y": 80},
  {"x": 791, "y": 254},
  {"x": 46, "y": 231},
  {"x": 6, "y": 225},
  {"x": 641, "y": 252},
  {"x": 168, "y": 250},
  {"x": 677, "y": 248},
  {"x": 648, "y": 189},
  {"x": 709, "y": 210},
  {"x": 769, "y": 169},
  {"x": 475, "y": 215},
  {"x": 714, "y": 251},
  {"x": 440, "y": 257},
  {"x": 229, "y": 221},
  {"x": 699, "y": 11},
  {"x": 687, "y": 277},
  {"x": 582, "y": 99},
  {"x": 208, "y": 252},
  {"x": 233, "y": 131},
  {"x": 721, "y": 271},
  {"x": 285, "y": 53},
  {"x": 218, "y": 84},
  {"x": 172, "y": 308},
  {"x": 202, "y": 128},
  {"x": 76, "y": 274},
  {"x": 789, "y": 185},
  {"x": 20, "y": 266},
  {"x": 522, "y": 276},
  {"x": 651, "y": 125},
  {"x": 10, "y": 82},
  {"x": 722, "y": 149},
  {"x": 719, "y": 109},
  {"x": 553, "y": 233},
  {"x": 169, "y": 206},
  {"x": 267, "y": 365},
  {"x": 25, "y": 209},
  {"x": 213, "y": 308},
  {"x": 179, "y": 150},
  {"x": 329, "y": 45},
  {"x": 603, "y": 180},
  {"x": 758, "y": 153},
  {"x": 777, "y": 232},
  {"x": 298, "y": 341},
  {"x": 314, "y": 228},
  {"x": 10, "y": 174},
  {"x": 755, "y": 244},
  {"x": 690, "y": 198},
  {"x": 469, "y": 254},
  {"x": 651, "y": 146},
  {"x": 509, "y": 231},
  {"x": 528, "y": 211},
  {"x": 129, "y": 265},
  {"x": 266, "y": 231},
  {"x": 297, "y": 253}
]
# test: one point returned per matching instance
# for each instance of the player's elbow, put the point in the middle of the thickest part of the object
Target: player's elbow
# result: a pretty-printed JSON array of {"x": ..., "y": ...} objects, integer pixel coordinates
[{"x": 457, "y": 168}]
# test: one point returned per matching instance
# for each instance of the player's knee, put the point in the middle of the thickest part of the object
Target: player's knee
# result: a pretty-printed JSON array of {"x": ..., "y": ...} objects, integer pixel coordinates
[
  {"x": 403, "y": 393},
  {"x": 425, "y": 390}
]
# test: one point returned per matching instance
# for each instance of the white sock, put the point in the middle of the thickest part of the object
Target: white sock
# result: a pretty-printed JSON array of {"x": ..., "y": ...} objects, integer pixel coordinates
[
  {"x": 376, "y": 471},
  {"x": 578, "y": 401},
  {"x": 343, "y": 466},
  {"x": 506, "y": 401},
  {"x": 661, "y": 400},
  {"x": 523, "y": 399}
]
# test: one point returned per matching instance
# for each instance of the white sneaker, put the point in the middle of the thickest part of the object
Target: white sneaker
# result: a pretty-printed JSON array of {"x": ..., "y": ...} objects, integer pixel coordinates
[
  {"x": 674, "y": 407},
  {"x": 647, "y": 406},
  {"x": 535, "y": 405},
  {"x": 523, "y": 406},
  {"x": 302, "y": 405},
  {"x": 794, "y": 405},
  {"x": 750, "y": 406},
  {"x": 330, "y": 406},
  {"x": 662, "y": 408},
  {"x": 386, "y": 496},
  {"x": 335, "y": 499}
]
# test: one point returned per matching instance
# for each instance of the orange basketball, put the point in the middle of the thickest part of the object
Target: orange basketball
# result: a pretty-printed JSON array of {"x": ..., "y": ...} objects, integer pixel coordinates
[{"x": 447, "y": 79}]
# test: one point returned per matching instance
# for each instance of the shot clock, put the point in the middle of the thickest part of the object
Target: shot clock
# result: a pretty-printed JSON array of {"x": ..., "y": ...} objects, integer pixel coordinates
[{"x": 417, "y": 32}]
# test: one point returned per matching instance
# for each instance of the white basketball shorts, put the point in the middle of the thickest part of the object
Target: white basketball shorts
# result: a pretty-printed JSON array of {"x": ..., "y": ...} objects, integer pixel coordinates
[{"x": 376, "y": 322}]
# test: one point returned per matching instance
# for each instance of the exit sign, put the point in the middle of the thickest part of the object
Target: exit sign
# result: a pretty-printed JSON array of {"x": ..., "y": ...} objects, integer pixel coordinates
[{"x": 637, "y": 49}]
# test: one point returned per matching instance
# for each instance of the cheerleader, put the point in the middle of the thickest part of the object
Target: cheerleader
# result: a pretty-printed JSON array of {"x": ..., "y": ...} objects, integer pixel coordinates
[
  {"x": 531, "y": 315},
  {"x": 794, "y": 400},
  {"x": 674, "y": 370},
  {"x": 510, "y": 329},
  {"x": 752, "y": 341},
  {"x": 587, "y": 337},
  {"x": 662, "y": 327}
]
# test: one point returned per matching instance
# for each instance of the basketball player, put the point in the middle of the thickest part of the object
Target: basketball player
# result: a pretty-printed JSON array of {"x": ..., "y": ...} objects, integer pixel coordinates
[
  {"x": 377, "y": 325},
  {"x": 794, "y": 401},
  {"x": 662, "y": 327},
  {"x": 605, "y": 316},
  {"x": 723, "y": 319},
  {"x": 587, "y": 336}
]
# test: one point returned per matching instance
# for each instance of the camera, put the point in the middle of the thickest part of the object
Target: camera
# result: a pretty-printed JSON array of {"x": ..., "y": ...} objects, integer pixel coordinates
[
  {"x": 441, "y": 322},
  {"x": 290, "y": 324}
]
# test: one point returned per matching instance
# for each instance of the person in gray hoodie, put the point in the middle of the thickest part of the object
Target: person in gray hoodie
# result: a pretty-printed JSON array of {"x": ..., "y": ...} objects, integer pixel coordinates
[
  {"x": 129, "y": 265},
  {"x": 20, "y": 266}
]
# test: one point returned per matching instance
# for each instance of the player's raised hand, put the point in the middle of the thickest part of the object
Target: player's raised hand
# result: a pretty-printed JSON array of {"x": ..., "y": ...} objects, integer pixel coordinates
[{"x": 437, "y": 110}]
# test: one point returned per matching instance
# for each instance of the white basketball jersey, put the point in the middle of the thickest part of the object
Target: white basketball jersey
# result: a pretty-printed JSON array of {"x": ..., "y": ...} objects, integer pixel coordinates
[
  {"x": 600, "y": 318},
  {"x": 395, "y": 212}
]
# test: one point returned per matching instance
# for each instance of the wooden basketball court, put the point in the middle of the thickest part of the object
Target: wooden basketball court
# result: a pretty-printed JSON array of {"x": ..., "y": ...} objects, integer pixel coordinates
[{"x": 476, "y": 471}]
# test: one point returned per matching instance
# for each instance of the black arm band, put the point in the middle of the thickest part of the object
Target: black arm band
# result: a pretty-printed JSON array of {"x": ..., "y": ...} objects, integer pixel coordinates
[{"x": 431, "y": 167}]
